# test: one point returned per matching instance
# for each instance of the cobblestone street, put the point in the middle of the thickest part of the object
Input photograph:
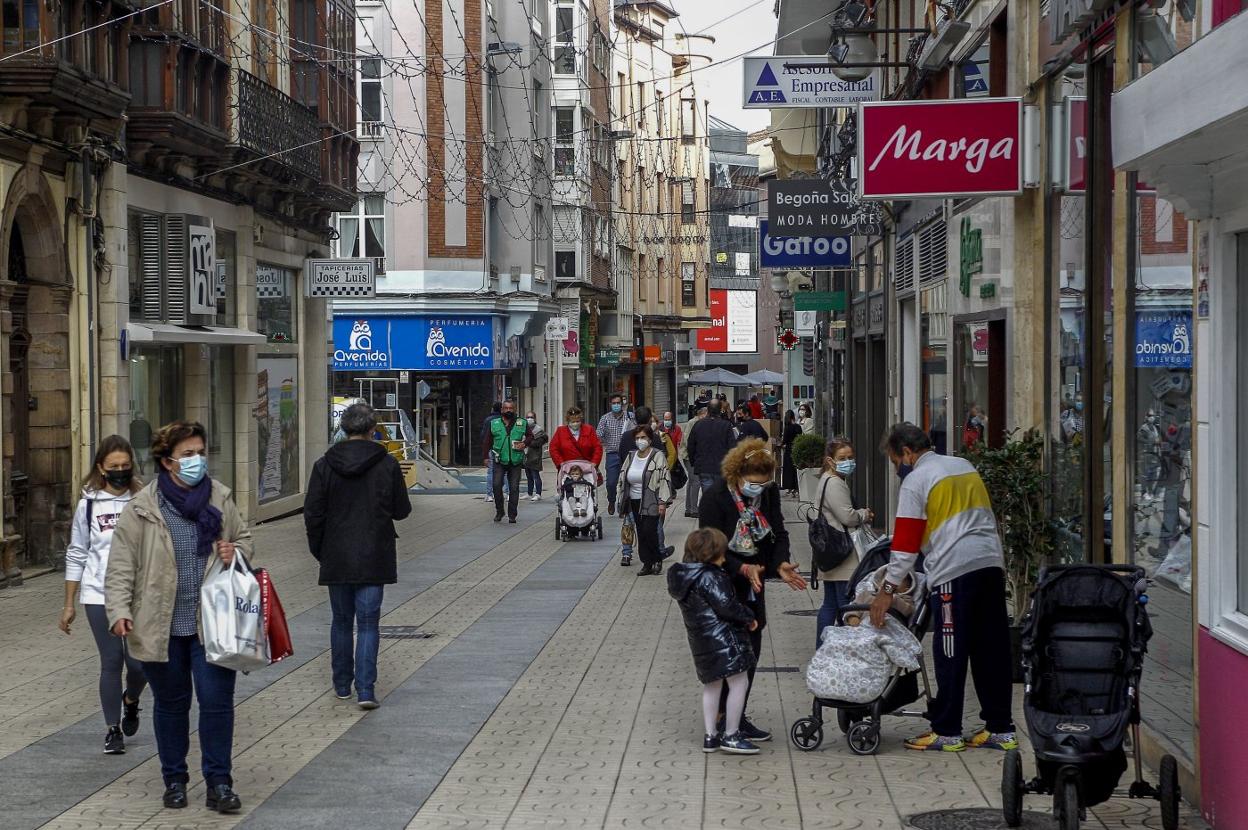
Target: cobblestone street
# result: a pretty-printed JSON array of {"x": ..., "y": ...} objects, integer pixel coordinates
[{"x": 556, "y": 690}]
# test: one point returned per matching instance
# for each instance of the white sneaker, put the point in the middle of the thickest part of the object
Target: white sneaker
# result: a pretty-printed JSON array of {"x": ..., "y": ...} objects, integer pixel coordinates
[
  {"x": 537, "y": 497},
  {"x": 534, "y": 497}
]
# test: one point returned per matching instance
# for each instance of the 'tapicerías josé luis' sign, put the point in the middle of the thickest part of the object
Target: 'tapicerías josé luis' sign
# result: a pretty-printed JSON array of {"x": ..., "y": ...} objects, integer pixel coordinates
[{"x": 909, "y": 149}]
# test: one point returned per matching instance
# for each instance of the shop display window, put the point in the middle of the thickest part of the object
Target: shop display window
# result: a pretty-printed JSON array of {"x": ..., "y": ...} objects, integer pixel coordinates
[
  {"x": 276, "y": 305},
  {"x": 277, "y": 419}
]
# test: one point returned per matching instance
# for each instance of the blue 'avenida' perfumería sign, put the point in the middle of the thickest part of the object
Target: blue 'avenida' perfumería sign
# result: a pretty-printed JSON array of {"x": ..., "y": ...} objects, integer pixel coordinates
[
  {"x": 446, "y": 343},
  {"x": 1163, "y": 338}
]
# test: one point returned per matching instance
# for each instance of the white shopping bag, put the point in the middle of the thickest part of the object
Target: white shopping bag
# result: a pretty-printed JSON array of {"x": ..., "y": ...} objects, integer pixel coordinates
[{"x": 231, "y": 616}]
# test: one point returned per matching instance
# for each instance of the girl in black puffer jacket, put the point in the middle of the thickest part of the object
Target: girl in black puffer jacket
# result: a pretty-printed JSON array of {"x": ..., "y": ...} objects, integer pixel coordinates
[{"x": 716, "y": 622}]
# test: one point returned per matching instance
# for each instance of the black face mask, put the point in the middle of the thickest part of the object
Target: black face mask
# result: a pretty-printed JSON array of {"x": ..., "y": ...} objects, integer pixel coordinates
[
  {"x": 904, "y": 470},
  {"x": 119, "y": 479}
]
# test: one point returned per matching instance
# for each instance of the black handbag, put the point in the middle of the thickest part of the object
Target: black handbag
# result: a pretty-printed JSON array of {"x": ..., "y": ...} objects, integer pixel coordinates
[
  {"x": 829, "y": 547},
  {"x": 679, "y": 476}
]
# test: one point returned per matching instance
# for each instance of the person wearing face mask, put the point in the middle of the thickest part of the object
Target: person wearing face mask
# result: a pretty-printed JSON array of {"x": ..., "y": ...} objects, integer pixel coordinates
[
  {"x": 788, "y": 470},
  {"x": 575, "y": 441},
  {"x": 744, "y": 505},
  {"x": 612, "y": 426},
  {"x": 162, "y": 547},
  {"x": 836, "y": 503},
  {"x": 627, "y": 445},
  {"x": 747, "y": 427},
  {"x": 671, "y": 429},
  {"x": 510, "y": 441},
  {"x": 355, "y": 495},
  {"x": 106, "y": 492},
  {"x": 805, "y": 419},
  {"x": 645, "y": 491},
  {"x": 533, "y": 456},
  {"x": 944, "y": 512}
]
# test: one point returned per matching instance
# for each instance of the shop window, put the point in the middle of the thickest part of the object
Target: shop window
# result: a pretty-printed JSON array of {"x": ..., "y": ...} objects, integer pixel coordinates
[
  {"x": 565, "y": 39},
  {"x": 565, "y": 144},
  {"x": 275, "y": 303},
  {"x": 362, "y": 233},
  {"x": 157, "y": 386},
  {"x": 688, "y": 285},
  {"x": 220, "y": 423},
  {"x": 277, "y": 422}
]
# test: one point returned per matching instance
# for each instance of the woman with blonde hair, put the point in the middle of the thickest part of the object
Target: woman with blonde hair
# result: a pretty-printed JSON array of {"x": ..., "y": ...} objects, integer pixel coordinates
[
  {"x": 837, "y": 506},
  {"x": 744, "y": 505}
]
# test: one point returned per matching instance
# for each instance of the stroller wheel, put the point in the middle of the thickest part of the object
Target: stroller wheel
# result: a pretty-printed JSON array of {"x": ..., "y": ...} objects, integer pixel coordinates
[
  {"x": 1012, "y": 789},
  {"x": 844, "y": 721},
  {"x": 1169, "y": 792},
  {"x": 864, "y": 738},
  {"x": 1066, "y": 800},
  {"x": 558, "y": 529},
  {"x": 806, "y": 734}
]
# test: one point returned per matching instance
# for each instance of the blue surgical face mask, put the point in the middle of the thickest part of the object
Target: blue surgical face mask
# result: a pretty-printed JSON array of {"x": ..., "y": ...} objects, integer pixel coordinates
[
  {"x": 192, "y": 469},
  {"x": 752, "y": 489},
  {"x": 615, "y": 407},
  {"x": 1079, "y": 406},
  {"x": 667, "y": 424},
  {"x": 847, "y": 467},
  {"x": 904, "y": 470}
]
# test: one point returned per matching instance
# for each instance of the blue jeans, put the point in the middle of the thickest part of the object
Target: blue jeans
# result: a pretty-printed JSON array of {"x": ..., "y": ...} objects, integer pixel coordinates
[
  {"x": 534, "y": 480},
  {"x": 835, "y": 597},
  {"x": 171, "y": 685},
  {"x": 360, "y": 604},
  {"x": 613, "y": 475}
]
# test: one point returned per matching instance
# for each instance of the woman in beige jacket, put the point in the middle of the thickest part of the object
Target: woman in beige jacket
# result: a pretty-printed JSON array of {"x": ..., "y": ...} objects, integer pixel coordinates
[
  {"x": 837, "y": 506},
  {"x": 162, "y": 547}
]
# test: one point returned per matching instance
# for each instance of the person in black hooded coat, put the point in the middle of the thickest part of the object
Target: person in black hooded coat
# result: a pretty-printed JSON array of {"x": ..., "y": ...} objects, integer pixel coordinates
[{"x": 354, "y": 497}]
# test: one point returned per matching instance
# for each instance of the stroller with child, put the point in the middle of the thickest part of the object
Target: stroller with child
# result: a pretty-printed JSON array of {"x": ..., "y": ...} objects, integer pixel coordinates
[
  {"x": 1084, "y": 639},
  {"x": 578, "y": 501},
  {"x": 860, "y": 722}
]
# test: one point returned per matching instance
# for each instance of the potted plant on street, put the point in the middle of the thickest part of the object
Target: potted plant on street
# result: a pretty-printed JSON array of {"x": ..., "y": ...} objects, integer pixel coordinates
[
  {"x": 1015, "y": 477},
  {"x": 808, "y": 454}
]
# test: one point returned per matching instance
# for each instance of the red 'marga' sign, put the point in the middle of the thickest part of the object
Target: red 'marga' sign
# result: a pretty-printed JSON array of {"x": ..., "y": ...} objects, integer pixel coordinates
[{"x": 909, "y": 149}]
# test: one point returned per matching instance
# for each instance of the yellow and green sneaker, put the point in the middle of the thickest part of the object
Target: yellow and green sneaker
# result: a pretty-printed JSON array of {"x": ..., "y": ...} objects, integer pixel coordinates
[
  {"x": 938, "y": 743},
  {"x": 983, "y": 739}
]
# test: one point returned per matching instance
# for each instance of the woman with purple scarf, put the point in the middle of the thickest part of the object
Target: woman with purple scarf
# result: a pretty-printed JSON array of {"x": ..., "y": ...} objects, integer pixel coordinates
[{"x": 162, "y": 547}]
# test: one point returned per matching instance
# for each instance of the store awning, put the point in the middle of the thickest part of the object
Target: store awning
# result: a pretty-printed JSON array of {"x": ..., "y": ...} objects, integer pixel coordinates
[{"x": 211, "y": 335}]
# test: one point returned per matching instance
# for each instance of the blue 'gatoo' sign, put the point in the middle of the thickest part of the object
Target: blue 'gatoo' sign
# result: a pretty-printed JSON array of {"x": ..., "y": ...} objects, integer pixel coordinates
[
  {"x": 801, "y": 251},
  {"x": 430, "y": 343},
  {"x": 1163, "y": 338}
]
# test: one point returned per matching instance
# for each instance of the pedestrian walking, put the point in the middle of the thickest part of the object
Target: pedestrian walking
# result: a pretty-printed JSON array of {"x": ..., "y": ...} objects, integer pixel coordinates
[
  {"x": 805, "y": 419},
  {"x": 611, "y": 426},
  {"x": 708, "y": 442},
  {"x": 487, "y": 444},
  {"x": 162, "y": 546},
  {"x": 645, "y": 490},
  {"x": 716, "y": 623},
  {"x": 744, "y": 505},
  {"x": 788, "y": 470},
  {"x": 748, "y": 427},
  {"x": 574, "y": 441},
  {"x": 754, "y": 406},
  {"x": 107, "y": 490},
  {"x": 645, "y": 417},
  {"x": 510, "y": 443},
  {"x": 836, "y": 504},
  {"x": 671, "y": 429},
  {"x": 533, "y": 458},
  {"x": 944, "y": 512},
  {"x": 355, "y": 495},
  {"x": 693, "y": 489}
]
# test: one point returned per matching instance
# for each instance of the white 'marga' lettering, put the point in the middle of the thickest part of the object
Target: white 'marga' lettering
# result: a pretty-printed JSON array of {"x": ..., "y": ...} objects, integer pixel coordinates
[{"x": 973, "y": 153}]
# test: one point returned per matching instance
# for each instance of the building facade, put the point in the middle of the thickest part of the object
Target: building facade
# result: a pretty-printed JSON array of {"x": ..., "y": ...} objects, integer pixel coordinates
[{"x": 455, "y": 207}]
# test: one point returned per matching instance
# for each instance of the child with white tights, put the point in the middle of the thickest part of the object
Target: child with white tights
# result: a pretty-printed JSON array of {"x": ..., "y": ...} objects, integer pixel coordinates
[{"x": 716, "y": 622}]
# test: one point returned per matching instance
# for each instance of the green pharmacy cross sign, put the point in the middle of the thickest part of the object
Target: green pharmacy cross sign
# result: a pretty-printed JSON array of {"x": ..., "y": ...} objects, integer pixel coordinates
[{"x": 972, "y": 255}]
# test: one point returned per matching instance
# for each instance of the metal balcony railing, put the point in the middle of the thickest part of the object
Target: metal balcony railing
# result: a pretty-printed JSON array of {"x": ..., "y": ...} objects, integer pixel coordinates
[
  {"x": 275, "y": 125},
  {"x": 372, "y": 129}
]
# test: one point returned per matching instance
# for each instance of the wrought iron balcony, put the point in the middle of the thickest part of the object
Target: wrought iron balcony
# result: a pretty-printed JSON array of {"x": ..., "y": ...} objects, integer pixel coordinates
[{"x": 276, "y": 127}]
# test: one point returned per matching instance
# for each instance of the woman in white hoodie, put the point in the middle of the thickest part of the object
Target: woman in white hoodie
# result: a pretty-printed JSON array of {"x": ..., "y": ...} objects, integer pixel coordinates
[{"x": 105, "y": 493}]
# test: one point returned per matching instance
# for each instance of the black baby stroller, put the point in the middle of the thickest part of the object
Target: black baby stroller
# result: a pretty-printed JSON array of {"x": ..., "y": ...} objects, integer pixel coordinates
[
  {"x": 1083, "y": 646},
  {"x": 860, "y": 722}
]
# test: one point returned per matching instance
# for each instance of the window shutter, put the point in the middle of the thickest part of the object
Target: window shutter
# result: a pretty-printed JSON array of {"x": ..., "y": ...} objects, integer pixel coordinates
[
  {"x": 150, "y": 267},
  {"x": 933, "y": 252},
  {"x": 903, "y": 272},
  {"x": 176, "y": 265}
]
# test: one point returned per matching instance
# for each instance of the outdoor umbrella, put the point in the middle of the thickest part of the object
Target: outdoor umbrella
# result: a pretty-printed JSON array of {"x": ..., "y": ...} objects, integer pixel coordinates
[
  {"x": 764, "y": 377},
  {"x": 719, "y": 377}
]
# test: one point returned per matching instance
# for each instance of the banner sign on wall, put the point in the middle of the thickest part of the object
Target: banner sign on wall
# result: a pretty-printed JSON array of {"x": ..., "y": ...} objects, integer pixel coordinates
[
  {"x": 912, "y": 149},
  {"x": 778, "y": 81},
  {"x": 1163, "y": 338},
  {"x": 813, "y": 206},
  {"x": 435, "y": 343},
  {"x": 340, "y": 277},
  {"x": 202, "y": 268},
  {"x": 734, "y": 322},
  {"x": 801, "y": 251}
]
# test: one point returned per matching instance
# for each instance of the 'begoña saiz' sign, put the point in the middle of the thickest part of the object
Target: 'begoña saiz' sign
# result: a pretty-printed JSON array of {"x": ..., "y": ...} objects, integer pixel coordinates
[
  {"x": 912, "y": 149},
  {"x": 815, "y": 207}
]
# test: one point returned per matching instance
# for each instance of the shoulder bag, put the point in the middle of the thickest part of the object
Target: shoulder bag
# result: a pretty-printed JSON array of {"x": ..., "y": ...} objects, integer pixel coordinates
[{"x": 829, "y": 547}]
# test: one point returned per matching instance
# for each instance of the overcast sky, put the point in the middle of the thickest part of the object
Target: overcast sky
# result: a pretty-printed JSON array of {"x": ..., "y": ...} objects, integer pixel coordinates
[{"x": 754, "y": 26}]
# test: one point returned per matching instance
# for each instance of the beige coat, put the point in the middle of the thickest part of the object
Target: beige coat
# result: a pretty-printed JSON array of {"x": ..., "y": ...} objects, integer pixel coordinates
[
  {"x": 838, "y": 509},
  {"x": 142, "y": 578}
]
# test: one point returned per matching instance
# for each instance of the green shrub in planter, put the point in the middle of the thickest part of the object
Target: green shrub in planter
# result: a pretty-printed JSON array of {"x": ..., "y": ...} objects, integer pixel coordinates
[{"x": 808, "y": 451}]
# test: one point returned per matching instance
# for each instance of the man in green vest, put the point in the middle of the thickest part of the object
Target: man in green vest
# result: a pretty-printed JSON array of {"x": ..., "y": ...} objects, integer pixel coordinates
[{"x": 510, "y": 441}]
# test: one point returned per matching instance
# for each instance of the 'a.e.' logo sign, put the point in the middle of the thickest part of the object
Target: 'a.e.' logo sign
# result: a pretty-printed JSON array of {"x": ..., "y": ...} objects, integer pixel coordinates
[{"x": 801, "y": 251}]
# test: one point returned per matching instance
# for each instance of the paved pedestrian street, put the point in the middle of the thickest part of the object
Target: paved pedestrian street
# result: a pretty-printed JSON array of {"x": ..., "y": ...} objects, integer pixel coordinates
[{"x": 555, "y": 690}]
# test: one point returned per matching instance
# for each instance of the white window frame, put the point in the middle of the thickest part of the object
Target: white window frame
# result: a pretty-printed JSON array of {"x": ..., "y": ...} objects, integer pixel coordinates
[
  {"x": 567, "y": 143},
  {"x": 370, "y": 128},
  {"x": 361, "y": 217},
  {"x": 557, "y": 45}
]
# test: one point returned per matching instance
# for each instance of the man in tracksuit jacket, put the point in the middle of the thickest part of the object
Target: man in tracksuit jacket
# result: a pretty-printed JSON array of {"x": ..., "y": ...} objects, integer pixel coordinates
[{"x": 943, "y": 511}]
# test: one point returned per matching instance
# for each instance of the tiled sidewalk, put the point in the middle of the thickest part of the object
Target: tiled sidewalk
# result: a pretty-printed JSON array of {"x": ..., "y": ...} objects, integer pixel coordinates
[{"x": 557, "y": 692}]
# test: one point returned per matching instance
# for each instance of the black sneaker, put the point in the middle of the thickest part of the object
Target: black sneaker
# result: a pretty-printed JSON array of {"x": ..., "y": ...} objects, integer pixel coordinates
[
  {"x": 223, "y": 799},
  {"x": 512, "y": 520},
  {"x": 626, "y": 560},
  {"x": 668, "y": 551},
  {"x": 498, "y": 517},
  {"x": 114, "y": 743},
  {"x": 175, "y": 795},
  {"x": 129, "y": 717},
  {"x": 738, "y": 744},
  {"x": 752, "y": 732},
  {"x": 710, "y": 743},
  {"x": 656, "y": 568}
]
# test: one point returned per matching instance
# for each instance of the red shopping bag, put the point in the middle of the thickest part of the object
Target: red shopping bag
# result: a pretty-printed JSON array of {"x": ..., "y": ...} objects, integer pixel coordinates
[{"x": 274, "y": 619}]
